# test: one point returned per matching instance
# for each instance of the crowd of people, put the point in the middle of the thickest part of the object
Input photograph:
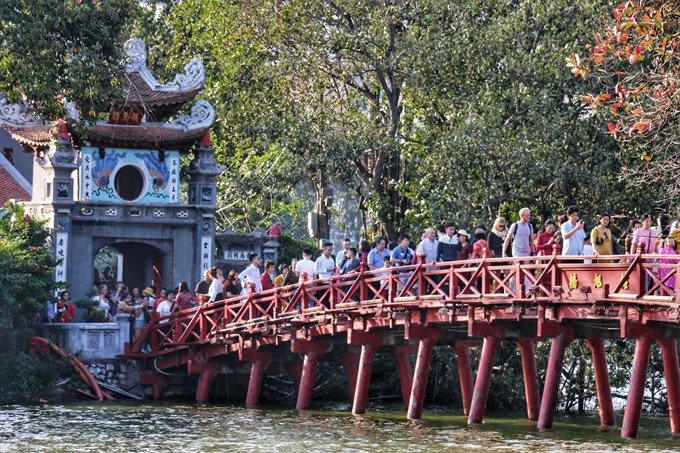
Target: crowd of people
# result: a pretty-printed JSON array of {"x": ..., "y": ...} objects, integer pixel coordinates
[{"x": 567, "y": 235}]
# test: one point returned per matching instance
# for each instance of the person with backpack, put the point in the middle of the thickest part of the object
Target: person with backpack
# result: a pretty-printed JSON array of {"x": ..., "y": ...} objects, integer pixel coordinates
[{"x": 521, "y": 236}]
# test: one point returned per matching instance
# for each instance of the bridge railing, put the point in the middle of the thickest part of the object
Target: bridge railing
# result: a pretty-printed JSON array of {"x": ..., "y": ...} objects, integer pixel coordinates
[{"x": 506, "y": 280}]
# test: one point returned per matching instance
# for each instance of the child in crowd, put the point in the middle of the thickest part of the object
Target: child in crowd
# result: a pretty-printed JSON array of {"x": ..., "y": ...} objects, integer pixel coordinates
[{"x": 587, "y": 250}]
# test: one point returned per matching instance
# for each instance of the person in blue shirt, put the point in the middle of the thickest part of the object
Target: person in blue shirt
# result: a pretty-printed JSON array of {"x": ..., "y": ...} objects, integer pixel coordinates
[
  {"x": 402, "y": 255},
  {"x": 376, "y": 257}
]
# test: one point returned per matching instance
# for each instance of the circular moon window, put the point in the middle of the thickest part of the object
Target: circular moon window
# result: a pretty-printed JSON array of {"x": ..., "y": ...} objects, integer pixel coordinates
[{"x": 129, "y": 183}]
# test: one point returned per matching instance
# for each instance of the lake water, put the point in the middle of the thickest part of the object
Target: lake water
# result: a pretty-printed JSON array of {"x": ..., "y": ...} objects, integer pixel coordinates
[{"x": 179, "y": 427}]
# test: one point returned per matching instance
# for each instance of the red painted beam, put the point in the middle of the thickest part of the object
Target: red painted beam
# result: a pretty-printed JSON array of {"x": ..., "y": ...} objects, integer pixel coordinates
[
  {"x": 350, "y": 362},
  {"x": 669, "y": 348},
  {"x": 527, "y": 347},
  {"x": 416, "y": 401},
  {"x": 464, "y": 363},
  {"x": 552, "y": 378},
  {"x": 257, "y": 369},
  {"x": 401, "y": 356},
  {"x": 369, "y": 346},
  {"x": 313, "y": 351},
  {"x": 481, "y": 391},
  {"x": 205, "y": 380},
  {"x": 636, "y": 388},
  {"x": 604, "y": 394}
]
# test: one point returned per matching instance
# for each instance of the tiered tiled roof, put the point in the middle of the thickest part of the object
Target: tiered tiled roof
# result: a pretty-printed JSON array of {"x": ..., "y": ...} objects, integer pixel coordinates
[
  {"x": 158, "y": 104},
  {"x": 152, "y": 136},
  {"x": 143, "y": 95}
]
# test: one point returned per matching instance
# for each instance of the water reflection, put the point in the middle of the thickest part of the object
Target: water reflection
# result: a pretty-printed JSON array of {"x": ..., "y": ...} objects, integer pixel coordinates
[{"x": 150, "y": 427}]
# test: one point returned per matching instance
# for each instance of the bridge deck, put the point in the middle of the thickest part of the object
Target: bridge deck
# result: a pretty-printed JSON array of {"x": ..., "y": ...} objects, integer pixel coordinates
[{"x": 426, "y": 304}]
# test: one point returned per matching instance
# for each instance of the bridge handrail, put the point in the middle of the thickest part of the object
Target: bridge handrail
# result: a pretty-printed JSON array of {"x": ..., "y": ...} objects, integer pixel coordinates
[{"x": 510, "y": 278}]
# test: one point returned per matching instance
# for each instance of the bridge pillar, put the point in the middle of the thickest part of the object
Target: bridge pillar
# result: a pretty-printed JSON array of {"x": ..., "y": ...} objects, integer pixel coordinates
[
  {"x": 313, "y": 351},
  {"x": 527, "y": 347},
  {"x": 205, "y": 380},
  {"x": 672, "y": 373},
  {"x": 604, "y": 393},
  {"x": 481, "y": 391},
  {"x": 158, "y": 383},
  {"x": 370, "y": 343},
  {"x": 350, "y": 362},
  {"x": 401, "y": 357},
  {"x": 462, "y": 351},
  {"x": 428, "y": 338},
  {"x": 636, "y": 388},
  {"x": 552, "y": 378},
  {"x": 260, "y": 362},
  {"x": 294, "y": 370}
]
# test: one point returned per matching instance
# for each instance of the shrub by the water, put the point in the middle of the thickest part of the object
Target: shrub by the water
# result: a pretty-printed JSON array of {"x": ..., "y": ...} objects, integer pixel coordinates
[{"x": 25, "y": 285}]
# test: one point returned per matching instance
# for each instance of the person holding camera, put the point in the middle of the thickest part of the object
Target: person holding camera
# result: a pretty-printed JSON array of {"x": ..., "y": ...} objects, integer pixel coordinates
[{"x": 573, "y": 234}]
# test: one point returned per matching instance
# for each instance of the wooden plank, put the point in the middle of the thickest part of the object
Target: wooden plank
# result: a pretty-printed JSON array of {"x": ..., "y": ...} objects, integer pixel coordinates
[
  {"x": 313, "y": 310},
  {"x": 432, "y": 297},
  {"x": 497, "y": 296},
  {"x": 405, "y": 299},
  {"x": 658, "y": 298},
  {"x": 364, "y": 303}
]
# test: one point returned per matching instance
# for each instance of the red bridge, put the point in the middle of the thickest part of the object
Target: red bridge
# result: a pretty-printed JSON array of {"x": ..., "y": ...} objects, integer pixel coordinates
[{"x": 411, "y": 309}]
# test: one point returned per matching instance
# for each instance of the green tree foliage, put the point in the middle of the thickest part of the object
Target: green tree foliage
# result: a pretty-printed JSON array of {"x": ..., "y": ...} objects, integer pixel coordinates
[
  {"x": 55, "y": 50},
  {"x": 25, "y": 285},
  {"x": 500, "y": 120},
  {"x": 431, "y": 110}
]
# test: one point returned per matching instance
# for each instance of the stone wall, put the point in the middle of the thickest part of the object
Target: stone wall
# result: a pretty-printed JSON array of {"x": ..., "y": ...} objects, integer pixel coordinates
[{"x": 121, "y": 373}]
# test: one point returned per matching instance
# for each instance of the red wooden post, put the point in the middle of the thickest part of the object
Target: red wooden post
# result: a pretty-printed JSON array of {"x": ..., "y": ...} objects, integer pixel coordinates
[
  {"x": 527, "y": 347},
  {"x": 481, "y": 391},
  {"x": 350, "y": 362},
  {"x": 259, "y": 365},
  {"x": 552, "y": 380},
  {"x": 416, "y": 401},
  {"x": 453, "y": 281},
  {"x": 205, "y": 380},
  {"x": 636, "y": 388},
  {"x": 642, "y": 289},
  {"x": 370, "y": 343},
  {"x": 604, "y": 394},
  {"x": 154, "y": 331},
  {"x": 313, "y": 352},
  {"x": 672, "y": 373},
  {"x": 294, "y": 370},
  {"x": 401, "y": 356},
  {"x": 421, "y": 278},
  {"x": 157, "y": 381},
  {"x": 305, "y": 296},
  {"x": 464, "y": 374}
]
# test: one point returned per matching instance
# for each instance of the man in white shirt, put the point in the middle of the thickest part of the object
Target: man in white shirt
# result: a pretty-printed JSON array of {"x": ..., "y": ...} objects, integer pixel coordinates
[
  {"x": 215, "y": 290},
  {"x": 325, "y": 264},
  {"x": 428, "y": 246},
  {"x": 305, "y": 266},
  {"x": 251, "y": 275}
]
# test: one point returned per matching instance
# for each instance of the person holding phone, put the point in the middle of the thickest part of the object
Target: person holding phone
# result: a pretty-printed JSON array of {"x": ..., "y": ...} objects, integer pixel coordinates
[{"x": 573, "y": 234}]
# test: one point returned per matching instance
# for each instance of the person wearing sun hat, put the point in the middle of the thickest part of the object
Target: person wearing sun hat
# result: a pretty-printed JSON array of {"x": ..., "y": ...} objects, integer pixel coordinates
[{"x": 464, "y": 246}]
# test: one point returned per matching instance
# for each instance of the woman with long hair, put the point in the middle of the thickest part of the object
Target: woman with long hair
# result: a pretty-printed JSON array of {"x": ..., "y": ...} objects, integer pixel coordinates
[
  {"x": 601, "y": 238},
  {"x": 184, "y": 300},
  {"x": 496, "y": 236}
]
